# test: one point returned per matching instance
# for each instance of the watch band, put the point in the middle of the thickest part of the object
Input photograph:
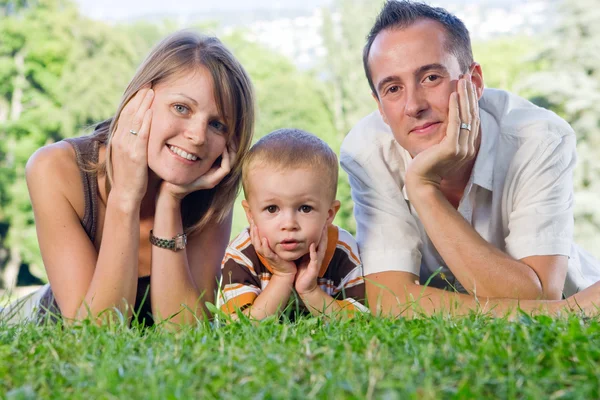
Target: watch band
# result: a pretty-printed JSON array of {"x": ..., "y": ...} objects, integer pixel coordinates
[{"x": 178, "y": 242}]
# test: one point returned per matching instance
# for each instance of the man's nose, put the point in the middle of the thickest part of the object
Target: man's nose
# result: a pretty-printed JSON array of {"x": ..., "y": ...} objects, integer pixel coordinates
[{"x": 416, "y": 103}]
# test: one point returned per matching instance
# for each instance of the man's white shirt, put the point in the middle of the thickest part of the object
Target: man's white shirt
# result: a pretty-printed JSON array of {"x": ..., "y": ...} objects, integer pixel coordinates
[{"x": 519, "y": 197}]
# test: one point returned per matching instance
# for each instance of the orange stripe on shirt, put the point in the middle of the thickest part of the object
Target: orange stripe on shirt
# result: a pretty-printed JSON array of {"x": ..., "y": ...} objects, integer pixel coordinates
[
  {"x": 238, "y": 302},
  {"x": 360, "y": 278},
  {"x": 243, "y": 245},
  {"x": 229, "y": 288},
  {"x": 354, "y": 257}
]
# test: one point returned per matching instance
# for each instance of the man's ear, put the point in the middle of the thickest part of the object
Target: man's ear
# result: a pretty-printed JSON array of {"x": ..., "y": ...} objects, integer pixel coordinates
[
  {"x": 379, "y": 107},
  {"x": 247, "y": 211},
  {"x": 477, "y": 78},
  {"x": 333, "y": 210}
]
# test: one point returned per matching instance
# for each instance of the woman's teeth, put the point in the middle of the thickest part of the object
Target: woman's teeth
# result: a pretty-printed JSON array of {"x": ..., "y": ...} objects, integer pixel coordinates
[{"x": 182, "y": 153}]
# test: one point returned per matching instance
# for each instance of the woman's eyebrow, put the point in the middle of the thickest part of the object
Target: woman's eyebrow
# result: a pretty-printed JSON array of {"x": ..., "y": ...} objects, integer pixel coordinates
[{"x": 187, "y": 97}]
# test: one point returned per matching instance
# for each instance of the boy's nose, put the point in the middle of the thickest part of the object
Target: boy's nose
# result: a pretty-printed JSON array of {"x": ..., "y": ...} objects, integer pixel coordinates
[{"x": 289, "y": 221}]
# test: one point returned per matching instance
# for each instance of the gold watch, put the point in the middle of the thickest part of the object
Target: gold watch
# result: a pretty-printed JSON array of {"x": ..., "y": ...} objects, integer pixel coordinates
[{"x": 178, "y": 242}]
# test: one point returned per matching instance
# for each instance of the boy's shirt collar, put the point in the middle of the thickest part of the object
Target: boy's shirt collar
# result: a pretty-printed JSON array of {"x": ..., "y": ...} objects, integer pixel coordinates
[{"x": 332, "y": 240}]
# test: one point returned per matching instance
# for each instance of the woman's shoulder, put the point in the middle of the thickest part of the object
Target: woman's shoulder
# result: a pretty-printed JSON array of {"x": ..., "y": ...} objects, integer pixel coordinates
[
  {"x": 53, "y": 160},
  {"x": 53, "y": 173}
]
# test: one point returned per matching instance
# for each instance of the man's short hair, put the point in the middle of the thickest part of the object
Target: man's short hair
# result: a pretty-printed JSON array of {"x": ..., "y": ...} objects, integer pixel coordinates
[
  {"x": 290, "y": 148},
  {"x": 402, "y": 14}
]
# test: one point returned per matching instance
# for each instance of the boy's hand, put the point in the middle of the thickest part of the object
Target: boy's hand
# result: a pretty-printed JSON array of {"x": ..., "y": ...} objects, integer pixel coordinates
[
  {"x": 261, "y": 246},
  {"x": 308, "y": 271}
]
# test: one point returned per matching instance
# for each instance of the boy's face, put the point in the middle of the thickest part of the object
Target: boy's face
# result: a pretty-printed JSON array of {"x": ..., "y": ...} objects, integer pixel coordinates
[{"x": 289, "y": 208}]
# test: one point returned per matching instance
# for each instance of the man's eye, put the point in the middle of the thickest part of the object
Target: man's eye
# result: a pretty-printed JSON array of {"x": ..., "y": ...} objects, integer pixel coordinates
[
  {"x": 393, "y": 89},
  {"x": 432, "y": 78},
  {"x": 219, "y": 126},
  {"x": 181, "y": 109},
  {"x": 271, "y": 209},
  {"x": 305, "y": 209}
]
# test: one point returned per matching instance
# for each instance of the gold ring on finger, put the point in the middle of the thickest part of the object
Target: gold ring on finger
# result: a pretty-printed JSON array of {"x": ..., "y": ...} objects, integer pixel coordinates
[
  {"x": 134, "y": 133},
  {"x": 464, "y": 125}
]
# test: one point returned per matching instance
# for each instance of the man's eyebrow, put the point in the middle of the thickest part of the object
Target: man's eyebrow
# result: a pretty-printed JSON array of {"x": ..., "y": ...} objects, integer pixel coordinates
[
  {"x": 386, "y": 80},
  {"x": 429, "y": 67}
]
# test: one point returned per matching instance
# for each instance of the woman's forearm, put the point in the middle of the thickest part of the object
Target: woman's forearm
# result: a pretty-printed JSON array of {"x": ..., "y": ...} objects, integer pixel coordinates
[
  {"x": 172, "y": 286},
  {"x": 114, "y": 283}
]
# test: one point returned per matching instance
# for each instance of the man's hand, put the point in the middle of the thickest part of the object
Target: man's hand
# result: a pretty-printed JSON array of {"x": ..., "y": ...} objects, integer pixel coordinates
[
  {"x": 457, "y": 148},
  {"x": 280, "y": 267},
  {"x": 308, "y": 270}
]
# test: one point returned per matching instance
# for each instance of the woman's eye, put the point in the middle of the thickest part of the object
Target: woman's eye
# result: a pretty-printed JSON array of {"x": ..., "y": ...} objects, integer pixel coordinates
[
  {"x": 305, "y": 209},
  {"x": 218, "y": 126},
  {"x": 181, "y": 109},
  {"x": 271, "y": 209}
]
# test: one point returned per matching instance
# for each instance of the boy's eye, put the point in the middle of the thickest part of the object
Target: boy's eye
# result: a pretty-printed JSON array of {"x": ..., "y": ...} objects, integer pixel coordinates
[
  {"x": 272, "y": 209},
  {"x": 305, "y": 209},
  {"x": 219, "y": 126},
  {"x": 181, "y": 109}
]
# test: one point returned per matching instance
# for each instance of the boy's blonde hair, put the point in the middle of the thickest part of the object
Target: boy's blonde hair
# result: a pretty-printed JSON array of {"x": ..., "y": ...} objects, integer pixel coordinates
[{"x": 290, "y": 148}]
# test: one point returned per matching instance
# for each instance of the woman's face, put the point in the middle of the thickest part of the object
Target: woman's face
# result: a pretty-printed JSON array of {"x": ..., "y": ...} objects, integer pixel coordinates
[{"x": 187, "y": 134}]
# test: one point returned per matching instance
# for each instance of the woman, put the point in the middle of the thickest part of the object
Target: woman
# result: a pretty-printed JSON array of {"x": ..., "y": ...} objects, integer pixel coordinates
[{"x": 115, "y": 209}]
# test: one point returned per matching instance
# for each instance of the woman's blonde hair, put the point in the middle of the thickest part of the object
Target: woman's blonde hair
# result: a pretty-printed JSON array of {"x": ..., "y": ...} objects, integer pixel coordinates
[{"x": 182, "y": 52}]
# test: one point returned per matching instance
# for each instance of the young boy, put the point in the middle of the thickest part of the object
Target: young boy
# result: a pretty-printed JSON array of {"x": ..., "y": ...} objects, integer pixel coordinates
[{"x": 290, "y": 182}]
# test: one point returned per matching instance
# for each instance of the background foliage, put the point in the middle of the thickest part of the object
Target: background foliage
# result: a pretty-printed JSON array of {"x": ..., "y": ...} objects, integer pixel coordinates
[{"x": 60, "y": 72}]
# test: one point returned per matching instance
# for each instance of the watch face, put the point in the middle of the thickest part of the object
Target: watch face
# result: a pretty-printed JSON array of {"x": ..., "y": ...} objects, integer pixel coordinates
[{"x": 180, "y": 241}]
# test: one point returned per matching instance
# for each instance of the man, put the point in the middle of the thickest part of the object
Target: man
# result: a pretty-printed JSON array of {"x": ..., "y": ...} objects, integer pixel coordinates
[{"x": 456, "y": 186}]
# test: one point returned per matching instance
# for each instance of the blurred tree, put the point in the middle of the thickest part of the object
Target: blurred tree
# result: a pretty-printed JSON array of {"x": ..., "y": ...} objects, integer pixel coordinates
[
  {"x": 345, "y": 89},
  {"x": 59, "y": 72},
  {"x": 570, "y": 86},
  {"x": 286, "y": 98},
  {"x": 506, "y": 60}
]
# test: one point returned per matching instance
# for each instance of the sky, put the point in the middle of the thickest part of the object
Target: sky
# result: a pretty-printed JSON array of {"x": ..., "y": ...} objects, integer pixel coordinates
[{"x": 124, "y": 9}]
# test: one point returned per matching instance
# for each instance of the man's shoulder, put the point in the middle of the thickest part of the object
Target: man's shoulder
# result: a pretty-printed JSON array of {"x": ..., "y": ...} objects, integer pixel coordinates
[
  {"x": 368, "y": 133},
  {"x": 521, "y": 118}
]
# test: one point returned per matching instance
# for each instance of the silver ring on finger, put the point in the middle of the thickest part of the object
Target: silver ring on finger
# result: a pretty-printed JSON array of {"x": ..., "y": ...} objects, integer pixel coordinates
[
  {"x": 134, "y": 133},
  {"x": 464, "y": 125}
]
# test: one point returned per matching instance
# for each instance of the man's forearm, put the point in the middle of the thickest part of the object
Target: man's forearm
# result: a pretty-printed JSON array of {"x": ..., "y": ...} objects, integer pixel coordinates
[
  {"x": 395, "y": 294},
  {"x": 481, "y": 268}
]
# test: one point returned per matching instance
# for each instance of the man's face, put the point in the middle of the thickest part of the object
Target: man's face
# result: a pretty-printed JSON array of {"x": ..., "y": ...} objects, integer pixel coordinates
[{"x": 414, "y": 76}]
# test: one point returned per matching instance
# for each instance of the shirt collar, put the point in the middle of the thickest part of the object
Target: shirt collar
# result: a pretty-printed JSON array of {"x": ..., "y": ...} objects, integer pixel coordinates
[{"x": 483, "y": 171}]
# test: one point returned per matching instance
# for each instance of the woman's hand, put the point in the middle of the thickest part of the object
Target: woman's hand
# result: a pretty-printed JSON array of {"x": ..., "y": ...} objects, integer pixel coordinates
[
  {"x": 129, "y": 148},
  {"x": 458, "y": 147},
  {"x": 308, "y": 271},
  {"x": 207, "y": 181}
]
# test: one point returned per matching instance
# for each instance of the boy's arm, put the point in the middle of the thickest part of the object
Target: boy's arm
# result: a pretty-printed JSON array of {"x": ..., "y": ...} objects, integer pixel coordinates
[
  {"x": 346, "y": 271},
  {"x": 241, "y": 289},
  {"x": 272, "y": 300}
]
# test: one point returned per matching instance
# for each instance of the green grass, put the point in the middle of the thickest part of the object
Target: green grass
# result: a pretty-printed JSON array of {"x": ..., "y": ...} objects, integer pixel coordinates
[{"x": 471, "y": 357}]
